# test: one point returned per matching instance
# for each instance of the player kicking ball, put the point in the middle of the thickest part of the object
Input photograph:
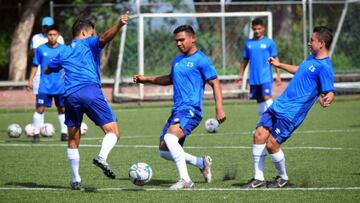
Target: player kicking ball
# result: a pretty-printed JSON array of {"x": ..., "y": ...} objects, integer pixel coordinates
[
  {"x": 189, "y": 73},
  {"x": 83, "y": 95},
  {"x": 313, "y": 79}
]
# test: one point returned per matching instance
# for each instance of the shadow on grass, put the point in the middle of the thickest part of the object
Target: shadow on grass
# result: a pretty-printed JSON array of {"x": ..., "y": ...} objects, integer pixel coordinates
[
  {"x": 354, "y": 126},
  {"x": 35, "y": 185}
]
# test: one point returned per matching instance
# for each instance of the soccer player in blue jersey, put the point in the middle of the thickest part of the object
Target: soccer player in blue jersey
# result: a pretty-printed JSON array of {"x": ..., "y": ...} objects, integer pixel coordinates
[
  {"x": 313, "y": 79},
  {"x": 83, "y": 95},
  {"x": 51, "y": 86},
  {"x": 257, "y": 50},
  {"x": 190, "y": 71}
]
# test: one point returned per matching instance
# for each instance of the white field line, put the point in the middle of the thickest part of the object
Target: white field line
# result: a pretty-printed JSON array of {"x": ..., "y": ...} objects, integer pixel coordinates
[
  {"x": 186, "y": 147},
  {"x": 192, "y": 189}
]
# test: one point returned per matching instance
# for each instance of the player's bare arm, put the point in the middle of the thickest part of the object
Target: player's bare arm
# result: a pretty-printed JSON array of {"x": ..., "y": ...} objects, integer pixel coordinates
[
  {"x": 289, "y": 68},
  {"x": 326, "y": 99},
  {"x": 239, "y": 78},
  {"x": 31, "y": 77},
  {"x": 220, "y": 114},
  {"x": 109, "y": 35},
  {"x": 157, "y": 80},
  {"x": 278, "y": 75}
]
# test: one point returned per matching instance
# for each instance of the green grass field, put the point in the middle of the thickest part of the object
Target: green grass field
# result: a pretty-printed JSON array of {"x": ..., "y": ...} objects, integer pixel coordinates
[{"x": 322, "y": 157}]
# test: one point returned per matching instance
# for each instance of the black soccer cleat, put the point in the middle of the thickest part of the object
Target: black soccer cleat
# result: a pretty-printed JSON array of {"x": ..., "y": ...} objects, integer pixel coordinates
[
  {"x": 278, "y": 183},
  {"x": 76, "y": 185},
  {"x": 64, "y": 137},
  {"x": 101, "y": 163},
  {"x": 36, "y": 138},
  {"x": 255, "y": 183}
]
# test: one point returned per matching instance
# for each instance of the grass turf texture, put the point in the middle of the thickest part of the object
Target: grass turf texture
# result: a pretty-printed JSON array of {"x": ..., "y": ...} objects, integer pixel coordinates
[{"x": 322, "y": 159}]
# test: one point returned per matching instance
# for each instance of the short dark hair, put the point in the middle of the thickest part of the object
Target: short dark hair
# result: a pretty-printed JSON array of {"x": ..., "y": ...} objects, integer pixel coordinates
[
  {"x": 52, "y": 27},
  {"x": 80, "y": 25},
  {"x": 184, "y": 28},
  {"x": 257, "y": 21},
  {"x": 325, "y": 34}
]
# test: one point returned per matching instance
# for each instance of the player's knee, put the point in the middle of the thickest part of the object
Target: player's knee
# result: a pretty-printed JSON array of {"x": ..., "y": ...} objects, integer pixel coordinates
[
  {"x": 260, "y": 136},
  {"x": 111, "y": 128},
  {"x": 272, "y": 145},
  {"x": 40, "y": 109}
]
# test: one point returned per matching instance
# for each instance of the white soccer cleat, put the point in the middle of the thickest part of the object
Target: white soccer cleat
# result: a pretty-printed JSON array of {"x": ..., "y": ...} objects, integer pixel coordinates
[
  {"x": 182, "y": 184},
  {"x": 206, "y": 171}
]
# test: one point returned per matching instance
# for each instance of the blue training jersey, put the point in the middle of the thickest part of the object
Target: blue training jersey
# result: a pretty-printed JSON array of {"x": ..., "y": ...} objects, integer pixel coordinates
[
  {"x": 258, "y": 51},
  {"x": 313, "y": 77},
  {"x": 53, "y": 83},
  {"x": 81, "y": 62},
  {"x": 189, "y": 74}
]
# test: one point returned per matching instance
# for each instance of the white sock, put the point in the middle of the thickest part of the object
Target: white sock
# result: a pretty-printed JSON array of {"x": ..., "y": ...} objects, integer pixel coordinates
[
  {"x": 73, "y": 157},
  {"x": 263, "y": 106},
  {"x": 63, "y": 127},
  {"x": 109, "y": 141},
  {"x": 190, "y": 159},
  {"x": 278, "y": 159},
  {"x": 38, "y": 121},
  {"x": 178, "y": 155},
  {"x": 259, "y": 154}
]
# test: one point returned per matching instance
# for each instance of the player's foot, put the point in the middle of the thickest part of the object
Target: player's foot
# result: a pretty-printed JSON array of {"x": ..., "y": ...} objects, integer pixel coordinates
[
  {"x": 255, "y": 183},
  {"x": 278, "y": 183},
  {"x": 182, "y": 184},
  {"x": 64, "y": 137},
  {"x": 76, "y": 185},
  {"x": 101, "y": 163},
  {"x": 36, "y": 138},
  {"x": 206, "y": 171}
]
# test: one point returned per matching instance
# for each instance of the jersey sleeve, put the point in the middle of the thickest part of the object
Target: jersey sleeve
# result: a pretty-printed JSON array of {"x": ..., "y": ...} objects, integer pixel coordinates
[
  {"x": 37, "y": 58},
  {"x": 273, "y": 49},
  {"x": 246, "y": 54},
  {"x": 207, "y": 69},
  {"x": 326, "y": 76},
  {"x": 94, "y": 43}
]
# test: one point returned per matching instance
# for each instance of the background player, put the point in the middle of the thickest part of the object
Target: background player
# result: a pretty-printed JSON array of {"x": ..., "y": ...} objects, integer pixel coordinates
[
  {"x": 256, "y": 52},
  {"x": 81, "y": 62},
  {"x": 189, "y": 73},
  {"x": 50, "y": 86},
  {"x": 36, "y": 41},
  {"x": 313, "y": 78}
]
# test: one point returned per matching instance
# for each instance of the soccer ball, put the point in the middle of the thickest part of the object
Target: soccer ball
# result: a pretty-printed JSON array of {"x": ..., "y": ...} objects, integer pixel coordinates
[
  {"x": 212, "y": 125},
  {"x": 47, "y": 130},
  {"x": 29, "y": 130},
  {"x": 140, "y": 173},
  {"x": 83, "y": 128},
  {"x": 14, "y": 130}
]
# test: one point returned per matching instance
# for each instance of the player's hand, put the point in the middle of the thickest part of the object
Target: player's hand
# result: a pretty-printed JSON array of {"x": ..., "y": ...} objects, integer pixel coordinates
[
  {"x": 220, "y": 116},
  {"x": 138, "y": 78},
  {"x": 124, "y": 18},
  {"x": 326, "y": 99},
  {"x": 238, "y": 80},
  {"x": 29, "y": 86},
  {"x": 273, "y": 61}
]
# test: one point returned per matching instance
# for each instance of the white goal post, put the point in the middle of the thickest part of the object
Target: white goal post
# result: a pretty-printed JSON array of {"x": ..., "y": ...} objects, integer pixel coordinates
[{"x": 142, "y": 20}]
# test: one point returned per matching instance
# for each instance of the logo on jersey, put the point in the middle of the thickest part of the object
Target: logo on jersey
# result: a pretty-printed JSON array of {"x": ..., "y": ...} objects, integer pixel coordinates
[
  {"x": 73, "y": 44},
  {"x": 267, "y": 90},
  {"x": 40, "y": 101},
  {"x": 249, "y": 46},
  {"x": 277, "y": 130},
  {"x": 190, "y": 64},
  {"x": 177, "y": 63},
  {"x": 45, "y": 54},
  {"x": 176, "y": 120},
  {"x": 263, "y": 46},
  {"x": 191, "y": 113},
  {"x": 312, "y": 68}
]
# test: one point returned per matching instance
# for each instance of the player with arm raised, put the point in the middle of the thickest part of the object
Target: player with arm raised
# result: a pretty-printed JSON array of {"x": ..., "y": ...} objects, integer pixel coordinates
[
  {"x": 81, "y": 62},
  {"x": 189, "y": 73},
  {"x": 257, "y": 50},
  {"x": 314, "y": 77}
]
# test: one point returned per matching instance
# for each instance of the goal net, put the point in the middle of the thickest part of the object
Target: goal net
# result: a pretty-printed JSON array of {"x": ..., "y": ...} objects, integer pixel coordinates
[{"x": 147, "y": 47}]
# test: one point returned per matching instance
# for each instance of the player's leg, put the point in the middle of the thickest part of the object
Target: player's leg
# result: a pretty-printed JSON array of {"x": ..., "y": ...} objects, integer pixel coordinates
[
  {"x": 278, "y": 159},
  {"x": 99, "y": 111},
  {"x": 42, "y": 101},
  {"x": 264, "y": 97},
  {"x": 59, "y": 102},
  {"x": 73, "y": 118}
]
